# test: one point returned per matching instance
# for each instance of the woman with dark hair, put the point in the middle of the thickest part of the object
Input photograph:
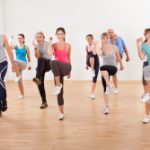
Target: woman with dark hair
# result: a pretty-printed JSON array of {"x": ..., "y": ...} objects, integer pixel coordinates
[
  {"x": 92, "y": 61},
  {"x": 43, "y": 64},
  {"x": 61, "y": 66},
  {"x": 143, "y": 49},
  {"x": 23, "y": 60},
  {"x": 3, "y": 69}
]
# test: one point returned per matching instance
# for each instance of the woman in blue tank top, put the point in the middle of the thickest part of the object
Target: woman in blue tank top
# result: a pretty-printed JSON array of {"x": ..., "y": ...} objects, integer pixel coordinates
[{"x": 22, "y": 55}]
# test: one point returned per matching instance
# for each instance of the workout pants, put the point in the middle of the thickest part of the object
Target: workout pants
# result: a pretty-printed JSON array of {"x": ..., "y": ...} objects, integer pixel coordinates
[
  {"x": 96, "y": 65},
  {"x": 60, "y": 69},
  {"x": 3, "y": 95},
  {"x": 22, "y": 66},
  {"x": 43, "y": 66},
  {"x": 112, "y": 70}
]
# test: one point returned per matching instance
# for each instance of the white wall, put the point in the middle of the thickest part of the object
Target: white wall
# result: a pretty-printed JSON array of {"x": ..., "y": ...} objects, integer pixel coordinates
[
  {"x": 1, "y": 16},
  {"x": 128, "y": 17}
]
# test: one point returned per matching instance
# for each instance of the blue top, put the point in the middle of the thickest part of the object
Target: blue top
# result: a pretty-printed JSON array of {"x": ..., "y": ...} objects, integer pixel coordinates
[
  {"x": 21, "y": 53},
  {"x": 146, "y": 49},
  {"x": 120, "y": 44}
]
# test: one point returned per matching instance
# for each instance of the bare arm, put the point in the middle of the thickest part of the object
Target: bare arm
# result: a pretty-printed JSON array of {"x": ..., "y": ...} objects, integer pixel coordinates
[
  {"x": 140, "y": 52},
  {"x": 28, "y": 54},
  {"x": 118, "y": 58},
  {"x": 29, "y": 58},
  {"x": 10, "y": 54},
  {"x": 127, "y": 54},
  {"x": 69, "y": 53}
]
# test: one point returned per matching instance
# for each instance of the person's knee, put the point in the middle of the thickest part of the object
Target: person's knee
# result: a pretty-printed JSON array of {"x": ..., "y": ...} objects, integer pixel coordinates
[{"x": 53, "y": 63}]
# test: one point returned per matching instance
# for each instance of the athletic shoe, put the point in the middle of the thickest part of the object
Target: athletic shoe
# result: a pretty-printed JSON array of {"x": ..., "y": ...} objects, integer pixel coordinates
[
  {"x": 145, "y": 98},
  {"x": 61, "y": 116},
  {"x": 44, "y": 105},
  {"x": 108, "y": 90},
  {"x": 92, "y": 73},
  {"x": 17, "y": 79},
  {"x": 92, "y": 96},
  {"x": 20, "y": 97},
  {"x": 37, "y": 81},
  {"x": 58, "y": 89},
  {"x": 3, "y": 106},
  {"x": 146, "y": 119},
  {"x": 106, "y": 110},
  {"x": 116, "y": 91}
]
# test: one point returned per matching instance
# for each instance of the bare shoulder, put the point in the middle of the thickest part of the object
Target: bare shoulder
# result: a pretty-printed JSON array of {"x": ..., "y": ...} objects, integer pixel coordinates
[
  {"x": 68, "y": 45},
  {"x": 54, "y": 45}
]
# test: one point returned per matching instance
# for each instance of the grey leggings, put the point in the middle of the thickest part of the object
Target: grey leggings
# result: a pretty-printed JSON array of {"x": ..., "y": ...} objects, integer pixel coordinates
[{"x": 60, "y": 69}]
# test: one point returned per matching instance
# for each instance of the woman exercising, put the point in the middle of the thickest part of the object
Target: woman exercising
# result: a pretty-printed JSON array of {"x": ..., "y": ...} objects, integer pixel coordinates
[
  {"x": 109, "y": 68},
  {"x": 61, "y": 66},
  {"x": 143, "y": 49},
  {"x": 22, "y": 52},
  {"x": 92, "y": 60}
]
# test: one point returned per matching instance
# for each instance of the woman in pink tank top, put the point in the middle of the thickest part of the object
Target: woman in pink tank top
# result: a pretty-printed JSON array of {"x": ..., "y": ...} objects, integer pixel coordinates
[{"x": 61, "y": 66}]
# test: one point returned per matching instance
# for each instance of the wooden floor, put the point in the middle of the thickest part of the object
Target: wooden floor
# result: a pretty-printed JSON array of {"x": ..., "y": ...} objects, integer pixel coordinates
[{"x": 25, "y": 127}]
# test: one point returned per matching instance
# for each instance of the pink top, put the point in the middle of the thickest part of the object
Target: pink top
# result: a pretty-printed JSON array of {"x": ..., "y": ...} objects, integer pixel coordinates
[{"x": 61, "y": 55}]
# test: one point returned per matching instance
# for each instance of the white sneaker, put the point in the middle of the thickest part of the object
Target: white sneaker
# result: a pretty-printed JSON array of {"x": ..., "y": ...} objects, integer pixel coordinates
[
  {"x": 145, "y": 98},
  {"x": 108, "y": 90},
  {"x": 61, "y": 116},
  {"x": 116, "y": 91},
  {"x": 146, "y": 119},
  {"x": 106, "y": 110},
  {"x": 92, "y": 96},
  {"x": 17, "y": 79},
  {"x": 20, "y": 97},
  {"x": 92, "y": 73},
  {"x": 58, "y": 89}
]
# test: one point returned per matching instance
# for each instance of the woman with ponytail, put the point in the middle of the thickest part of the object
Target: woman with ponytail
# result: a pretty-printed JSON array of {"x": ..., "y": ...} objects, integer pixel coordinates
[
  {"x": 61, "y": 66},
  {"x": 22, "y": 61},
  {"x": 144, "y": 54}
]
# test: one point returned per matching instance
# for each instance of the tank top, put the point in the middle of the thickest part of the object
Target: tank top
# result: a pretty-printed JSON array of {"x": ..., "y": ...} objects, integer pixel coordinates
[
  {"x": 21, "y": 53},
  {"x": 2, "y": 50},
  {"x": 109, "y": 59},
  {"x": 61, "y": 55}
]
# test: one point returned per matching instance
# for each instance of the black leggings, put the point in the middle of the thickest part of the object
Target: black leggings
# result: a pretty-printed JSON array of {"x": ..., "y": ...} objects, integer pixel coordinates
[
  {"x": 3, "y": 95},
  {"x": 60, "y": 69},
  {"x": 96, "y": 65},
  {"x": 43, "y": 66},
  {"x": 112, "y": 70}
]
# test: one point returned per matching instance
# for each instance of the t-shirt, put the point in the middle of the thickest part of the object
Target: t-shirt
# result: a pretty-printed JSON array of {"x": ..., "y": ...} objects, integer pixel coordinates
[
  {"x": 146, "y": 49},
  {"x": 43, "y": 49},
  {"x": 2, "y": 50},
  {"x": 120, "y": 44}
]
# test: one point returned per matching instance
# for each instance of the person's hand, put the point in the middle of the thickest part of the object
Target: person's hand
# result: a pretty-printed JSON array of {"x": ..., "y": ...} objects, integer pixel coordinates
[
  {"x": 50, "y": 40},
  {"x": 127, "y": 59},
  {"x": 139, "y": 41},
  {"x": 69, "y": 76},
  {"x": 87, "y": 67},
  {"x": 34, "y": 43},
  {"x": 14, "y": 67},
  {"x": 121, "y": 68},
  {"x": 29, "y": 67}
]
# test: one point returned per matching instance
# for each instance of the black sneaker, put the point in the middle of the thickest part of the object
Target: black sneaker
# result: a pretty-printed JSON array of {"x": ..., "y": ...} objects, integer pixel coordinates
[
  {"x": 37, "y": 81},
  {"x": 3, "y": 106},
  {"x": 44, "y": 105}
]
